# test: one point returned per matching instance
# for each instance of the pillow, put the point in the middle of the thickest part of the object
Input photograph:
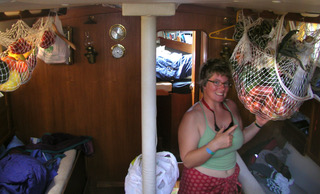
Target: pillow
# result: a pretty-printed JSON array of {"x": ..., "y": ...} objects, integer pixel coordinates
[{"x": 15, "y": 142}]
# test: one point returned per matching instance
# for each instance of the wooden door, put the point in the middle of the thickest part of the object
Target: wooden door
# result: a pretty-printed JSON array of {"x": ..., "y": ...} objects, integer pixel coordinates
[{"x": 200, "y": 53}]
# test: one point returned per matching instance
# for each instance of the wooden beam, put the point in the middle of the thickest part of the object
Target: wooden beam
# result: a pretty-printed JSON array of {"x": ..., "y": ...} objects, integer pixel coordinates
[{"x": 27, "y": 14}]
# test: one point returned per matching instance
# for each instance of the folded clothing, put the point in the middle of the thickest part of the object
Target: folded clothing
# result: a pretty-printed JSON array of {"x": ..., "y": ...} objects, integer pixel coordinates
[
  {"x": 21, "y": 173},
  {"x": 278, "y": 183},
  {"x": 278, "y": 165}
]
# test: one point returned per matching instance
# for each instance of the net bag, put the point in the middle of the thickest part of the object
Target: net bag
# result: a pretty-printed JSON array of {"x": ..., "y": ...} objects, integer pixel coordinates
[
  {"x": 272, "y": 68},
  {"x": 18, "y": 61}
]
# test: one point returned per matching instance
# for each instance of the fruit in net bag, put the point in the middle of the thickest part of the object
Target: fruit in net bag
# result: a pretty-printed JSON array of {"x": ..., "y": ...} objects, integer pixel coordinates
[
  {"x": 19, "y": 47},
  {"x": 4, "y": 72},
  {"x": 48, "y": 38},
  {"x": 13, "y": 82}
]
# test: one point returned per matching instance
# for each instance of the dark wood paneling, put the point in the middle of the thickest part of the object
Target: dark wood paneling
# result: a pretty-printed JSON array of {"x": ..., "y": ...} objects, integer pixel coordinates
[
  {"x": 180, "y": 103},
  {"x": 314, "y": 131},
  {"x": 6, "y": 131}
]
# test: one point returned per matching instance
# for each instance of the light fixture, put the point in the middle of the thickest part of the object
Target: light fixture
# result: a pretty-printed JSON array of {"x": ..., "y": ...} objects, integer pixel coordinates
[
  {"x": 38, "y": 11},
  {"x": 12, "y": 13},
  {"x": 312, "y": 15}
]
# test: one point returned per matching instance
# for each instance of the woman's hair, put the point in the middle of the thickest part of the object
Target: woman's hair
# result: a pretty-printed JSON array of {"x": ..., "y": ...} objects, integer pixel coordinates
[{"x": 212, "y": 66}]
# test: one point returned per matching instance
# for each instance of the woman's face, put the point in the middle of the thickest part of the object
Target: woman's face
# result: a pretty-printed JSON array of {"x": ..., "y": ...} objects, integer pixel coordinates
[{"x": 217, "y": 87}]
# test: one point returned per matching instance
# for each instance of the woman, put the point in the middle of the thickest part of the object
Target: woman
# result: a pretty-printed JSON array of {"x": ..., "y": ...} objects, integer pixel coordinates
[{"x": 210, "y": 133}]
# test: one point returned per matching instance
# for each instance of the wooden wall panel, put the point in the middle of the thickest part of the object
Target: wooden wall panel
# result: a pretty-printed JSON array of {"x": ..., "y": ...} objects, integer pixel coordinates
[{"x": 6, "y": 132}]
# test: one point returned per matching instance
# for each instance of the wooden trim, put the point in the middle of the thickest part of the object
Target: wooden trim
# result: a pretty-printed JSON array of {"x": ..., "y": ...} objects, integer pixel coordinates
[
  {"x": 26, "y": 14},
  {"x": 181, "y": 46}
]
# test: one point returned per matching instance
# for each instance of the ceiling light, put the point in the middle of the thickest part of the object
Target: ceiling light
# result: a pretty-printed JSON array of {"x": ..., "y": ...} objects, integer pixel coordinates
[
  {"x": 276, "y": 1},
  {"x": 37, "y": 11},
  {"x": 12, "y": 13},
  {"x": 310, "y": 14}
]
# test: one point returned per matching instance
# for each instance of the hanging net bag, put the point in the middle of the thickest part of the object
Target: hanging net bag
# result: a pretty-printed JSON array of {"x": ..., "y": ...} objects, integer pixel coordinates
[
  {"x": 20, "y": 58},
  {"x": 272, "y": 68}
]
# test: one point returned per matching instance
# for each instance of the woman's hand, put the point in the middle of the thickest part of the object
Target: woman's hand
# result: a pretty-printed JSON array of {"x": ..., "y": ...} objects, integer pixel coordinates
[
  {"x": 261, "y": 121},
  {"x": 224, "y": 139}
]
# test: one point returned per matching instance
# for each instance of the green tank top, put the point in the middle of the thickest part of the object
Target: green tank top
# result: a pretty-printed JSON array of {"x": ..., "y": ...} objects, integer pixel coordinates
[{"x": 223, "y": 159}]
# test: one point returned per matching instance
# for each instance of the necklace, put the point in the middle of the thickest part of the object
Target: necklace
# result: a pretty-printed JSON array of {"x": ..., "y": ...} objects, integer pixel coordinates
[
  {"x": 215, "y": 124},
  {"x": 208, "y": 107}
]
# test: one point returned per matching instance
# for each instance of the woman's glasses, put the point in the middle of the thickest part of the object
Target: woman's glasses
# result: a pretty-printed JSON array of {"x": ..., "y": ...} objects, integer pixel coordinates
[{"x": 219, "y": 83}]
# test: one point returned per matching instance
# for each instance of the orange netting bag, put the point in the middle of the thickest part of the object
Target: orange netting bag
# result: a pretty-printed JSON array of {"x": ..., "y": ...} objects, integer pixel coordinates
[
  {"x": 18, "y": 61},
  {"x": 272, "y": 68}
]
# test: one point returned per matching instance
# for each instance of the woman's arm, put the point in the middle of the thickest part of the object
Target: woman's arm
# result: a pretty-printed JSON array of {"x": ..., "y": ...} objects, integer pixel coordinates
[
  {"x": 188, "y": 137},
  {"x": 251, "y": 130}
]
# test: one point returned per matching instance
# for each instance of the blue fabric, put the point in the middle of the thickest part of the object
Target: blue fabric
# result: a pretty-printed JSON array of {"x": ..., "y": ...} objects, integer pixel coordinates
[
  {"x": 185, "y": 67},
  {"x": 50, "y": 161},
  {"x": 173, "y": 66},
  {"x": 15, "y": 142},
  {"x": 23, "y": 174},
  {"x": 182, "y": 87}
]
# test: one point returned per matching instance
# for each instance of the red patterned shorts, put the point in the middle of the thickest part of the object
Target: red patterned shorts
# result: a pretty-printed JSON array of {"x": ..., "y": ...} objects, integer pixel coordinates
[{"x": 195, "y": 182}]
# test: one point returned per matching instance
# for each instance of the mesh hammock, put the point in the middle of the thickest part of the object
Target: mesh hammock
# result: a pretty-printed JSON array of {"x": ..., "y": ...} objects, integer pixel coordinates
[
  {"x": 272, "y": 68},
  {"x": 20, "y": 58}
]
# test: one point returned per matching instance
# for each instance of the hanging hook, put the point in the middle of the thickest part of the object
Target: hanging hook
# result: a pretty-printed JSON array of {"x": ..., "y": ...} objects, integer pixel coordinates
[
  {"x": 218, "y": 32},
  {"x": 62, "y": 37}
]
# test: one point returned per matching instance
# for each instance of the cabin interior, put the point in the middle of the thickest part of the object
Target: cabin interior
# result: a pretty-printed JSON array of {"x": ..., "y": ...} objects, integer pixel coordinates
[{"x": 103, "y": 99}]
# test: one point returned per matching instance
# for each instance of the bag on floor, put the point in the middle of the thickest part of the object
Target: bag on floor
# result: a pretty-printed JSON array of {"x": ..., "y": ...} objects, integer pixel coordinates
[{"x": 167, "y": 173}]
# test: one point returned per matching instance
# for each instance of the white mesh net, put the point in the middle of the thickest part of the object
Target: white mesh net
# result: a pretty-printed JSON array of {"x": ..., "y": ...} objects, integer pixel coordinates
[
  {"x": 20, "y": 57},
  {"x": 272, "y": 68}
]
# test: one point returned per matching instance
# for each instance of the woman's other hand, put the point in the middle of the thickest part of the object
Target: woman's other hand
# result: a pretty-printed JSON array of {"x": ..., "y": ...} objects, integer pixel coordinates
[{"x": 261, "y": 121}]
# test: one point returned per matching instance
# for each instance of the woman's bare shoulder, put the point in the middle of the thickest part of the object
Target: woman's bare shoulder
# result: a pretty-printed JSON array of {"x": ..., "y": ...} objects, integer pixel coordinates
[
  {"x": 194, "y": 111},
  {"x": 193, "y": 115}
]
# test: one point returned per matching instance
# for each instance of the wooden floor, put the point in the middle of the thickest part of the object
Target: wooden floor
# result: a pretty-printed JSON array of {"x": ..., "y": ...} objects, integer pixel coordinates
[
  {"x": 115, "y": 190},
  {"x": 105, "y": 188}
]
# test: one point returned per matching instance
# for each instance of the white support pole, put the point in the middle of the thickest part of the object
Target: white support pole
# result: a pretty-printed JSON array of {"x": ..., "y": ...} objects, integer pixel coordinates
[
  {"x": 148, "y": 103},
  {"x": 148, "y": 13}
]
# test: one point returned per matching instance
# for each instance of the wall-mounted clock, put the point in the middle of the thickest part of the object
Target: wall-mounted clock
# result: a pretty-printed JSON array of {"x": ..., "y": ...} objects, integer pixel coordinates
[
  {"x": 117, "y": 51},
  {"x": 117, "y": 32}
]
